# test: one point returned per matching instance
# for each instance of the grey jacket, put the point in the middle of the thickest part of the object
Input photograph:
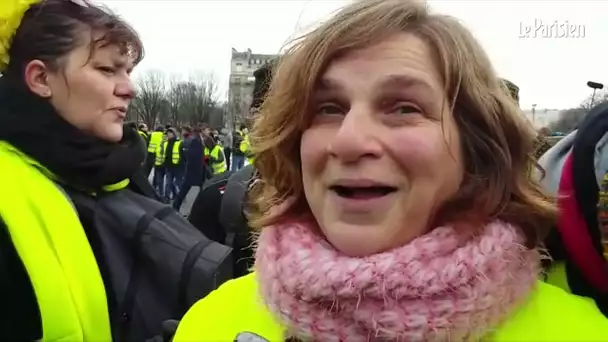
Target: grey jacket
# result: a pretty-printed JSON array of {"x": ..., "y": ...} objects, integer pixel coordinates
[
  {"x": 553, "y": 160},
  {"x": 226, "y": 140}
]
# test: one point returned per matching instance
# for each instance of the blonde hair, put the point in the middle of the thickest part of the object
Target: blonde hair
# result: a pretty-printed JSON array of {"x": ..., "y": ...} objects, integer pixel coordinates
[{"x": 496, "y": 140}]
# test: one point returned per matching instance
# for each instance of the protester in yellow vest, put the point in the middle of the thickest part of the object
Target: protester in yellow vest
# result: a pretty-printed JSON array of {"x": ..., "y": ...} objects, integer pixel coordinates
[
  {"x": 173, "y": 165},
  {"x": 238, "y": 158},
  {"x": 160, "y": 167},
  {"x": 216, "y": 158},
  {"x": 245, "y": 147},
  {"x": 383, "y": 213},
  {"x": 142, "y": 129},
  {"x": 156, "y": 138},
  {"x": 62, "y": 107}
]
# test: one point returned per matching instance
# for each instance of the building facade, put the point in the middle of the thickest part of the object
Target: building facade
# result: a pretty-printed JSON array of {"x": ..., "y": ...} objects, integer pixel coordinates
[{"x": 240, "y": 90}]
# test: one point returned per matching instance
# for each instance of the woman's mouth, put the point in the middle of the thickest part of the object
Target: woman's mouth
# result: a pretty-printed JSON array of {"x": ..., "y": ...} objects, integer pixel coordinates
[
  {"x": 362, "y": 192},
  {"x": 121, "y": 112}
]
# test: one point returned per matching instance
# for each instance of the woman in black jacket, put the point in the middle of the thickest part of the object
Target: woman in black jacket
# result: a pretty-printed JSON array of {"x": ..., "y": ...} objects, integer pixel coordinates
[
  {"x": 64, "y": 95},
  {"x": 195, "y": 167}
]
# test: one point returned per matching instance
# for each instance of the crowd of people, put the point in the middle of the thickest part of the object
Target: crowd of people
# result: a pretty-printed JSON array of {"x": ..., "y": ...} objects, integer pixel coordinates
[
  {"x": 388, "y": 189},
  {"x": 181, "y": 158}
]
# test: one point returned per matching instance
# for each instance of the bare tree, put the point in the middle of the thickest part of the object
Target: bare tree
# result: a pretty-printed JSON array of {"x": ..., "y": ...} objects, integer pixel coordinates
[
  {"x": 200, "y": 97},
  {"x": 188, "y": 99},
  {"x": 218, "y": 115},
  {"x": 600, "y": 97},
  {"x": 175, "y": 96},
  {"x": 568, "y": 120},
  {"x": 164, "y": 114},
  {"x": 193, "y": 100},
  {"x": 151, "y": 101},
  {"x": 235, "y": 108}
]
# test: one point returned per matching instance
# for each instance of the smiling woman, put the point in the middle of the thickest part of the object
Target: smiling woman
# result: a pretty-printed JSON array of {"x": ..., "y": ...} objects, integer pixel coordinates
[
  {"x": 394, "y": 202},
  {"x": 384, "y": 133}
]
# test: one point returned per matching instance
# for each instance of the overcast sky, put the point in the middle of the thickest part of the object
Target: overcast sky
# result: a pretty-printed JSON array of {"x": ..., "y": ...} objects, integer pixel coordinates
[{"x": 551, "y": 67}]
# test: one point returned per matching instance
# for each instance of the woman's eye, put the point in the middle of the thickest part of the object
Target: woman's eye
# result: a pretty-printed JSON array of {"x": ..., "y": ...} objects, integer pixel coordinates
[
  {"x": 328, "y": 109},
  {"x": 106, "y": 70},
  {"x": 405, "y": 109}
]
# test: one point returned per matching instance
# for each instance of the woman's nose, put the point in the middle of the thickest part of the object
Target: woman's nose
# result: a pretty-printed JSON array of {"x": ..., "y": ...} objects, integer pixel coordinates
[
  {"x": 125, "y": 89},
  {"x": 355, "y": 138}
]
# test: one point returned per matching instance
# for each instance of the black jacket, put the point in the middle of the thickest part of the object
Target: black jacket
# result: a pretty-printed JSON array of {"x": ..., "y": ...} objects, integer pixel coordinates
[
  {"x": 20, "y": 318},
  {"x": 204, "y": 214},
  {"x": 195, "y": 162},
  {"x": 32, "y": 125},
  {"x": 169, "y": 155},
  {"x": 237, "y": 138}
]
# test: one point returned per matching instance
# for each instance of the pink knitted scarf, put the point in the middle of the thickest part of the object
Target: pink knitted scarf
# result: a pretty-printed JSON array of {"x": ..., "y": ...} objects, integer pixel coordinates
[{"x": 442, "y": 286}]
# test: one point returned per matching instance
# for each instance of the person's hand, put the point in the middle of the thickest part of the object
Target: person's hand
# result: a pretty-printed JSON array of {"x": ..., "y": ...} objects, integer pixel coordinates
[{"x": 169, "y": 327}]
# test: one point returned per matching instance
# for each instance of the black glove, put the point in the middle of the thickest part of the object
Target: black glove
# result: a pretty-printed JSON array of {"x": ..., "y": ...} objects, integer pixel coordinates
[{"x": 169, "y": 328}]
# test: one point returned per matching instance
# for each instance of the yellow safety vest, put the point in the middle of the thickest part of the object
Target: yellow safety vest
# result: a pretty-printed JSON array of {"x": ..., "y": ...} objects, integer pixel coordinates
[
  {"x": 155, "y": 139},
  {"x": 176, "y": 152},
  {"x": 143, "y": 135},
  {"x": 218, "y": 165},
  {"x": 549, "y": 315},
  {"x": 51, "y": 242},
  {"x": 160, "y": 153},
  {"x": 245, "y": 147}
]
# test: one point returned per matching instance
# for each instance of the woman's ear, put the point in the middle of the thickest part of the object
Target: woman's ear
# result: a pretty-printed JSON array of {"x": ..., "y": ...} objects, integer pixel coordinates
[{"x": 36, "y": 78}]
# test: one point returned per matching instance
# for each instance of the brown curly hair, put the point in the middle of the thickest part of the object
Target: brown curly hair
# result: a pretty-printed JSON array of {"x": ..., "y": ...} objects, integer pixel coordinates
[{"x": 497, "y": 142}]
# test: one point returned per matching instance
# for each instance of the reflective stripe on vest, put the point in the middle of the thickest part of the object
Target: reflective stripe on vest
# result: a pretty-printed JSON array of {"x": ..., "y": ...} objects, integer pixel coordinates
[
  {"x": 117, "y": 186},
  {"x": 52, "y": 244},
  {"x": 155, "y": 139}
]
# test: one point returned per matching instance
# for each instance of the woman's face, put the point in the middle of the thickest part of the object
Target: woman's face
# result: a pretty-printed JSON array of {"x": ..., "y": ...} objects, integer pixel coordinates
[
  {"x": 383, "y": 152},
  {"x": 93, "y": 92}
]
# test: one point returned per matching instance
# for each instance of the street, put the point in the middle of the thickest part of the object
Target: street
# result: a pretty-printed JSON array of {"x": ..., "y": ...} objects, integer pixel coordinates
[{"x": 187, "y": 205}]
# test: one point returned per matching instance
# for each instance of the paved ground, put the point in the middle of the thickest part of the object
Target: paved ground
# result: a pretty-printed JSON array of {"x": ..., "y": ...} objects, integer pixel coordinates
[{"x": 187, "y": 205}]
